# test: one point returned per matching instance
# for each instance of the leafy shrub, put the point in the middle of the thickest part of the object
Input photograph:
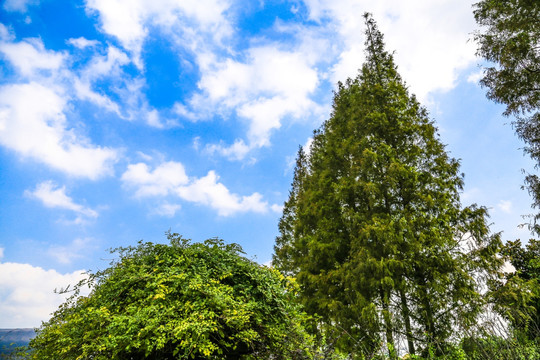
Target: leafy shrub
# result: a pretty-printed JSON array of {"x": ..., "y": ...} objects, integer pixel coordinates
[{"x": 179, "y": 301}]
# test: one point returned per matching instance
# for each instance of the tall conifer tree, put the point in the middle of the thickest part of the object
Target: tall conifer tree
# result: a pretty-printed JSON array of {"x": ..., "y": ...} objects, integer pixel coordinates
[{"x": 374, "y": 230}]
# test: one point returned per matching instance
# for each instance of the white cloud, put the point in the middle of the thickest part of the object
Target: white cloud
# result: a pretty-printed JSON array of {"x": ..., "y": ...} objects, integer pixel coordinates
[
  {"x": 163, "y": 180},
  {"x": 82, "y": 43},
  {"x": 100, "y": 67},
  {"x": 505, "y": 206},
  {"x": 475, "y": 77},
  {"x": 106, "y": 65},
  {"x": 154, "y": 119},
  {"x": 30, "y": 56},
  {"x": 1, "y": 253},
  {"x": 129, "y": 20},
  {"x": 269, "y": 86},
  {"x": 430, "y": 37},
  {"x": 208, "y": 191},
  {"x": 236, "y": 151},
  {"x": 182, "y": 111},
  {"x": 5, "y": 34},
  {"x": 66, "y": 254},
  {"x": 277, "y": 208},
  {"x": 167, "y": 209},
  {"x": 307, "y": 146},
  {"x": 19, "y": 5},
  {"x": 170, "y": 179},
  {"x": 53, "y": 196},
  {"x": 26, "y": 293},
  {"x": 40, "y": 132},
  {"x": 98, "y": 81}
]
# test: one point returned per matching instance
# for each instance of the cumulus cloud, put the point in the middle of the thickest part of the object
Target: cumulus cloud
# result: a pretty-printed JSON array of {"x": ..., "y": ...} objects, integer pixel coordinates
[
  {"x": 163, "y": 180},
  {"x": 27, "y": 293},
  {"x": 270, "y": 85},
  {"x": 267, "y": 84},
  {"x": 101, "y": 77},
  {"x": 41, "y": 132},
  {"x": 107, "y": 66},
  {"x": 170, "y": 179},
  {"x": 129, "y": 20},
  {"x": 53, "y": 196},
  {"x": 30, "y": 56},
  {"x": 430, "y": 37},
  {"x": 210, "y": 192}
]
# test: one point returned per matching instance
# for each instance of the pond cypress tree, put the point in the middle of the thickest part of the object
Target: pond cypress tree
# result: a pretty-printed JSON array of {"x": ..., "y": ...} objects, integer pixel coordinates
[{"x": 373, "y": 228}]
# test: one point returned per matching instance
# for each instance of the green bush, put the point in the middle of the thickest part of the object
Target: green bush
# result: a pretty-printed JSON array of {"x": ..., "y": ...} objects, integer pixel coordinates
[{"x": 179, "y": 301}]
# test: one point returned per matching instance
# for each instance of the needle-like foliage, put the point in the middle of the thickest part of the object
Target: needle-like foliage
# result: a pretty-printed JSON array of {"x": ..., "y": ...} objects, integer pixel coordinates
[{"x": 374, "y": 230}]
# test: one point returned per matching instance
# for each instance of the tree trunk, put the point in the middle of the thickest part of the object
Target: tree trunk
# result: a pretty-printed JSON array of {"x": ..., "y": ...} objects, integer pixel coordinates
[
  {"x": 392, "y": 354},
  {"x": 407, "y": 319}
]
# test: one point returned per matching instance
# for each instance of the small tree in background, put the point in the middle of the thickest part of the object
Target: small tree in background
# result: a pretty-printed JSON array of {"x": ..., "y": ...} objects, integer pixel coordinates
[
  {"x": 509, "y": 38},
  {"x": 179, "y": 301},
  {"x": 518, "y": 296},
  {"x": 373, "y": 228}
]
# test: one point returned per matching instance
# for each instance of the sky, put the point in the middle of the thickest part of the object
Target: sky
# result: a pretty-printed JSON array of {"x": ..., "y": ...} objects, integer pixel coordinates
[{"x": 122, "y": 119}]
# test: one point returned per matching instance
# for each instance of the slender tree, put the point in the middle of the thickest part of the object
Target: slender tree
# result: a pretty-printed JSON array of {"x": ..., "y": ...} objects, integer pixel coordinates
[{"x": 373, "y": 228}]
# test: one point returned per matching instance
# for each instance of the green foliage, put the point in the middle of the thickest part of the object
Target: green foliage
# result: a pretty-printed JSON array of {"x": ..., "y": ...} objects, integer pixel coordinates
[
  {"x": 518, "y": 296},
  {"x": 496, "y": 348},
  {"x": 179, "y": 301},
  {"x": 488, "y": 348},
  {"x": 373, "y": 228},
  {"x": 510, "y": 38}
]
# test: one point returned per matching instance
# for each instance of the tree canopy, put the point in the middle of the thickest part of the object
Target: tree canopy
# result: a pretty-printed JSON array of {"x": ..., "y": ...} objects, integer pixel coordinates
[
  {"x": 373, "y": 228},
  {"x": 510, "y": 40},
  {"x": 178, "y": 301}
]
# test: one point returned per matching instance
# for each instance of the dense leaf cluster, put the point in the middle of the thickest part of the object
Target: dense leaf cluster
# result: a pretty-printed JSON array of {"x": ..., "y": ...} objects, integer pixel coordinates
[{"x": 179, "y": 301}]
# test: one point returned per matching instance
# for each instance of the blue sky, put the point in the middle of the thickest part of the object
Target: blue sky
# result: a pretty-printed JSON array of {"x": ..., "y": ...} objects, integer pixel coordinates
[{"x": 121, "y": 119}]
